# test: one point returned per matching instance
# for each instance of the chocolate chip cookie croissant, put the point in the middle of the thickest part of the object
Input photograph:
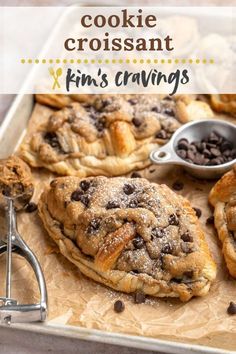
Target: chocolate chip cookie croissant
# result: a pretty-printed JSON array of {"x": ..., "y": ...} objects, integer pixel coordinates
[
  {"x": 129, "y": 234},
  {"x": 111, "y": 136},
  {"x": 223, "y": 198}
]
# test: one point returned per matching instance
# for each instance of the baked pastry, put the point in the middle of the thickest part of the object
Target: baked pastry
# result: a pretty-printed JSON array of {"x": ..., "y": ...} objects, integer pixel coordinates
[
  {"x": 15, "y": 180},
  {"x": 224, "y": 103},
  {"x": 60, "y": 101},
  {"x": 112, "y": 136},
  {"x": 129, "y": 234},
  {"x": 223, "y": 198}
]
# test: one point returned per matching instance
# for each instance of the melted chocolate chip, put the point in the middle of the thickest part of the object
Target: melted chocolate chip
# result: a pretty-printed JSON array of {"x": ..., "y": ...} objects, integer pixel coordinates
[
  {"x": 198, "y": 212},
  {"x": 53, "y": 183},
  {"x": 186, "y": 237},
  {"x": 188, "y": 274},
  {"x": 156, "y": 109},
  {"x": 133, "y": 101},
  {"x": 136, "y": 122},
  {"x": 138, "y": 242},
  {"x": 84, "y": 185},
  {"x": 173, "y": 220},
  {"x": 112, "y": 205},
  {"x": 100, "y": 124},
  {"x": 94, "y": 226},
  {"x": 158, "y": 232},
  {"x": 105, "y": 103},
  {"x": 31, "y": 207},
  {"x": 162, "y": 134},
  {"x": 135, "y": 175},
  {"x": 139, "y": 297},
  {"x": 76, "y": 195},
  {"x": 52, "y": 140},
  {"x": 128, "y": 189},
  {"x": 178, "y": 186},
  {"x": 210, "y": 220},
  {"x": 167, "y": 248},
  {"x": 119, "y": 306},
  {"x": 232, "y": 308},
  {"x": 85, "y": 200}
]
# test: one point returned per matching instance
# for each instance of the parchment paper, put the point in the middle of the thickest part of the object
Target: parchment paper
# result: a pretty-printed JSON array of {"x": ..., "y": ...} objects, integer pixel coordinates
[{"x": 79, "y": 301}]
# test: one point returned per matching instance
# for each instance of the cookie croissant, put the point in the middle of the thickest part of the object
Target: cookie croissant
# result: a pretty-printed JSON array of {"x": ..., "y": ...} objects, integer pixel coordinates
[{"x": 129, "y": 234}]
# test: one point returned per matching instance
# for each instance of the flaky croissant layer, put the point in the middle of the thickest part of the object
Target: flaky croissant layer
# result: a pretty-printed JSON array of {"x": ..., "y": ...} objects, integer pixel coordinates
[{"x": 129, "y": 234}]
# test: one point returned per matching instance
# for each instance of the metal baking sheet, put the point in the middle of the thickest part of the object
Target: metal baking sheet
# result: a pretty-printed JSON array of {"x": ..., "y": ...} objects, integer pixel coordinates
[{"x": 11, "y": 133}]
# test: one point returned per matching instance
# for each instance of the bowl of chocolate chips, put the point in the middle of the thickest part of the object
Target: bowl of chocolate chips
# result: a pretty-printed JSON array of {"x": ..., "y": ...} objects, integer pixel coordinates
[{"x": 205, "y": 148}]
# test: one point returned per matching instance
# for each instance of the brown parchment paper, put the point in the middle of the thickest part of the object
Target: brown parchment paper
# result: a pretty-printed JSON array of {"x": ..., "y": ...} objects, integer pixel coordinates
[{"x": 79, "y": 301}]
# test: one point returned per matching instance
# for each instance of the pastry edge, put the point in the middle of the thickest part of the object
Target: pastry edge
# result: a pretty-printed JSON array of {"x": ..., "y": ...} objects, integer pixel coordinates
[{"x": 120, "y": 280}]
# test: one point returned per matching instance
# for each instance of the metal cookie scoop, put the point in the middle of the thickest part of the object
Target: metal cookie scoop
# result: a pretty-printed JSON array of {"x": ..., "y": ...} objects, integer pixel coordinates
[{"x": 10, "y": 310}]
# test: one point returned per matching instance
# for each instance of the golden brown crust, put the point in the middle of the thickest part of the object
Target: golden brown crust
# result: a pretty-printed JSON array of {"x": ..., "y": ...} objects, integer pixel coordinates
[
  {"x": 112, "y": 136},
  {"x": 224, "y": 103},
  {"x": 129, "y": 234},
  {"x": 61, "y": 101},
  {"x": 223, "y": 198}
]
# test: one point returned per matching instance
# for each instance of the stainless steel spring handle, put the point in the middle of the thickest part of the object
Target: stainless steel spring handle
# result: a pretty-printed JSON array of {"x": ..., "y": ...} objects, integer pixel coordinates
[{"x": 10, "y": 310}]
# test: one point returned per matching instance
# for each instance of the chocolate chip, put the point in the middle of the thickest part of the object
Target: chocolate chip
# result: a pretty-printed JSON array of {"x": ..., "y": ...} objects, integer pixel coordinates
[
  {"x": 169, "y": 111},
  {"x": 183, "y": 144},
  {"x": 138, "y": 242},
  {"x": 173, "y": 220},
  {"x": 112, "y": 205},
  {"x": 94, "y": 226},
  {"x": 85, "y": 200},
  {"x": 178, "y": 186},
  {"x": 190, "y": 155},
  {"x": 210, "y": 220},
  {"x": 186, "y": 237},
  {"x": 212, "y": 150},
  {"x": 213, "y": 138},
  {"x": 158, "y": 232},
  {"x": 100, "y": 124},
  {"x": 139, "y": 297},
  {"x": 119, "y": 306},
  {"x": 52, "y": 140},
  {"x": 76, "y": 195},
  {"x": 84, "y": 185},
  {"x": 188, "y": 274},
  {"x": 128, "y": 189},
  {"x": 167, "y": 98},
  {"x": 133, "y": 101},
  {"x": 227, "y": 153},
  {"x": 6, "y": 191},
  {"x": 215, "y": 152},
  {"x": 136, "y": 122},
  {"x": 206, "y": 153},
  {"x": 232, "y": 308},
  {"x": 167, "y": 248},
  {"x": 182, "y": 153},
  {"x": 198, "y": 212},
  {"x": 105, "y": 102},
  {"x": 31, "y": 207},
  {"x": 53, "y": 183},
  {"x": 135, "y": 175},
  {"x": 161, "y": 134},
  {"x": 156, "y": 109}
]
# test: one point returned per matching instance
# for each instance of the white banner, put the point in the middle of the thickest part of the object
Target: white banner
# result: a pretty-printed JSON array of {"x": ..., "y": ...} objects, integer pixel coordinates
[{"x": 118, "y": 50}]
